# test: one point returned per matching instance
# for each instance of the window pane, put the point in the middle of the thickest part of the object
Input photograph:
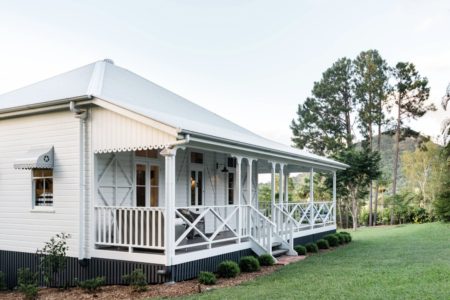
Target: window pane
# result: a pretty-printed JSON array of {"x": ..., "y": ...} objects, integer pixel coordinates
[
  {"x": 193, "y": 183},
  {"x": 196, "y": 158},
  {"x": 39, "y": 191},
  {"x": 152, "y": 153},
  {"x": 230, "y": 180},
  {"x": 154, "y": 196},
  {"x": 231, "y": 162},
  {"x": 140, "y": 196},
  {"x": 154, "y": 175},
  {"x": 140, "y": 174},
  {"x": 230, "y": 188},
  {"x": 200, "y": 188},
  {"x": 147, "y": 153},
  {"x": 47, "y": 173}
]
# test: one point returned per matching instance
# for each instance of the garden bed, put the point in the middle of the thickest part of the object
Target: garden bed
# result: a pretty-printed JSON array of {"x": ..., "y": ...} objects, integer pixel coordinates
[{"x": 183, "y": 288}]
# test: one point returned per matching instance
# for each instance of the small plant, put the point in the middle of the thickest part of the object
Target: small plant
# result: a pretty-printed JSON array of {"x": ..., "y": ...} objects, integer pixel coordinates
[
  {"x": 249, "y": 264},
  {"x": 332, "y": 240},
  {"x": 301, "y": 250},
  {"x": 53, "y": 258},
  {"x": 311, "y": 248},
  {"x": 27, "y": 281},
  {"x": 91, "y": 285},
  {"x": 207, "y": 278},
  {"x": 137, "y": 280},
  {"x": 349, "y": 237},
  {"x": 228, "y": 269},
  {"x": 2, "y": 281},
  {"x": 322, "y": 244},
  {"x": 266, "y": 260}
]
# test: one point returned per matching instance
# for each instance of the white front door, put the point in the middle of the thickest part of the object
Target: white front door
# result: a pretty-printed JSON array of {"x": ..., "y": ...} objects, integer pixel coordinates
[{"x": 147, "y": 184}]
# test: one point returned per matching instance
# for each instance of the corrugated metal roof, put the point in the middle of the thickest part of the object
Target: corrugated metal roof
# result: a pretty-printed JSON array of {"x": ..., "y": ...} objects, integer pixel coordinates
[{"x": 126, "y": 89}]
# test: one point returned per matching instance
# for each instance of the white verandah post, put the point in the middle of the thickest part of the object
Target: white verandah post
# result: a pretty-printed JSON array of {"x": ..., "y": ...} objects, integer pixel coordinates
[
  {"x": 238, "y": 189},
  {"x": 286, "y": 188},
  {"x": 334, "y": 197},
  {"x": 249, "y": 189},
  {"x": 311, "y": 198},
  {"x": 272, "y": 189},
  {"x": 169, "y": 219},
  {"x": 280, "y": 189}
]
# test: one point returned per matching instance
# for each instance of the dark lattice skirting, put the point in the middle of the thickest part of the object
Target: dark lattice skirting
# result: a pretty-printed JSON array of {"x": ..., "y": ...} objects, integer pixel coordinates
[
  {"x": 311, "y": 238},
  {"x": 112, "y": 269}
]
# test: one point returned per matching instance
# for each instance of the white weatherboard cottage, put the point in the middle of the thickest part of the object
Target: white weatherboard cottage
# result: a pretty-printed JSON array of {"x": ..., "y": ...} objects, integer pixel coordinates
[{"x": 137, "y": 174}]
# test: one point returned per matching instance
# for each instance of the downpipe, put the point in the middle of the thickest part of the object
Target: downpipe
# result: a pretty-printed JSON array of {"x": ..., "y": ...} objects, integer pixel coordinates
[{"x": 82, "y": 116}]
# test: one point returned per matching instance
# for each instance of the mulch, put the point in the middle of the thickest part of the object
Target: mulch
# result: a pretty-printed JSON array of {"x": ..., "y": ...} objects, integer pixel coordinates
[{"x": 183, "y": 288}]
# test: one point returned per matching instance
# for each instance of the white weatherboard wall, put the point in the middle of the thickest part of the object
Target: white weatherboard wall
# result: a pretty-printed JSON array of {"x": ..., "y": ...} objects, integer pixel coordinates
[
  {"x": 20, "y": 228},
  {"x": 113, "y": 132}
]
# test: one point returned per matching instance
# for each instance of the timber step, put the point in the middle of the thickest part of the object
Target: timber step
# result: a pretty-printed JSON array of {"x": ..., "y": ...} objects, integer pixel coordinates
[
  {"x": 276, "y": 245},
  {"x": 279, "y": 252}
]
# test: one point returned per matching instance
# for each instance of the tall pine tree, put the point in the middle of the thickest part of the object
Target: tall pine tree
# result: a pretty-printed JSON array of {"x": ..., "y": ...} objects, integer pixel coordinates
[
  {"x": 371, "y": 87},
  {"x": 409, "y": 95}
]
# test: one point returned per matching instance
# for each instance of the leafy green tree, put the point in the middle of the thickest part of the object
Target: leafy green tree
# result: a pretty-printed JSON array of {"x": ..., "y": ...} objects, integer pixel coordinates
[
  {"x": 409, "y": 95},
  {"x": 354, "y": 181},
  {"x": 442, "y": 202},
  {"x": 324, "y": 122},
  {"x": 423, "y": 169},
  {"x": 371, "y": 87}
]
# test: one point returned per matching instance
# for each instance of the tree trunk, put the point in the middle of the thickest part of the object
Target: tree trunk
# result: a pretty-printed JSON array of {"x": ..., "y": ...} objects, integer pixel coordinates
[
  {"x": 376, "y": 182},
  {"x": 354, "y": 212},
  {"x": 370, "y": 204},
  {"x": 340, "y": 214},
  {"x": 397, "y": 150},
  {"x": 348, "y": 126}
]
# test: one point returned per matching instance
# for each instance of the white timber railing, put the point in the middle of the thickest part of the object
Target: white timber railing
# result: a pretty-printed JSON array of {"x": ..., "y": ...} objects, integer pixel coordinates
[
  {"x": 136, "y": 227},
  {"x": 206, "y": 225},
  {"x": 306, "y": 215}
]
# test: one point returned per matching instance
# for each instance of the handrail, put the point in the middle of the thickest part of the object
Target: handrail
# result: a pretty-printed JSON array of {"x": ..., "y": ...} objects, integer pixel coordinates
[{"x": 261, "y": 230}]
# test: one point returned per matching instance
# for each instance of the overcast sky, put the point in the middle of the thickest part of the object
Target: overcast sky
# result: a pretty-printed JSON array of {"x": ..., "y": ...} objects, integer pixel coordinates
[{"x": 252, "y": 62}]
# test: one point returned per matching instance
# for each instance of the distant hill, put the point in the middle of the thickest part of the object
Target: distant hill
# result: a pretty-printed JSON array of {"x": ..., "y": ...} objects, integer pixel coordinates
[
  {"x": 387, "y": 152},
  {"x": 387, "y": 155}
]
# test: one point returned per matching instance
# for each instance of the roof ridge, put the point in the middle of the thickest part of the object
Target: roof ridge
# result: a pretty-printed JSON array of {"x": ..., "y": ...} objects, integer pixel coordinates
[{"x": 96, "y": 82}]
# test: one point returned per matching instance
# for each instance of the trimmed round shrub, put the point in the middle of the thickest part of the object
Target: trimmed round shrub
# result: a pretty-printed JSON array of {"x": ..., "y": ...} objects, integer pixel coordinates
[
  {"x": 345, "y": 233},
  {"x": 311, "y": 248},
  {"x": 207, "y": 278},
  {"x": 341, "y": 238},
  {"x": 322, "y": 244},
  {"x": 249, "y": 264},
  {"x": 228, "y": 269},
  {"x": 266, "y": 260},
  {"x": 332, "y": 240},
  {"x": 301, "y": 250}
]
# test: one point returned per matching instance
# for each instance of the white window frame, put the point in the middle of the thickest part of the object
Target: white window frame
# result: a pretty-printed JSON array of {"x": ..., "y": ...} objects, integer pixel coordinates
[{"x": 42, "y": 208}]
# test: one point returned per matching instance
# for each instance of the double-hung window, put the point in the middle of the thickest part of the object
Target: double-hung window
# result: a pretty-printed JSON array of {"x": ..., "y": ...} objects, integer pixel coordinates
[{"x": 43, "y": 187}]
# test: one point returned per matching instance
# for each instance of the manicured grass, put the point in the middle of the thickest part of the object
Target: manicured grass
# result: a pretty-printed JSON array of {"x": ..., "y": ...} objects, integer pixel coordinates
[{"x": 401, "y": 262}]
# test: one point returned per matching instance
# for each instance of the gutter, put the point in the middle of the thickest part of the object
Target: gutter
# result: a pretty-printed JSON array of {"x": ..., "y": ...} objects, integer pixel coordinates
[{"x": 41, "y": 107}]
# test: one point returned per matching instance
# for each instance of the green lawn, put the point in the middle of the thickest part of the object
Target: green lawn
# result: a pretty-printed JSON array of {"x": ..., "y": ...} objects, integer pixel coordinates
[{"x": 401, "y": 262}]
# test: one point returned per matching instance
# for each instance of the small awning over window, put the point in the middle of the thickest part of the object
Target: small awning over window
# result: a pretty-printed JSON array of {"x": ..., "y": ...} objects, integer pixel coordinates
[{"x": 36, "y": 158}]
